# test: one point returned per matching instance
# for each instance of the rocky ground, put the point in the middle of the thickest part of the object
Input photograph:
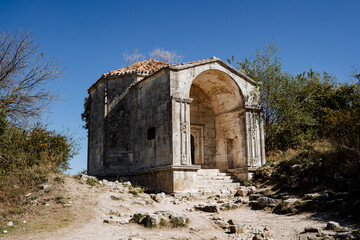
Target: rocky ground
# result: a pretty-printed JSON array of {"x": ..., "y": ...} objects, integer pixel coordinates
[{"x": 83, "y": 208}]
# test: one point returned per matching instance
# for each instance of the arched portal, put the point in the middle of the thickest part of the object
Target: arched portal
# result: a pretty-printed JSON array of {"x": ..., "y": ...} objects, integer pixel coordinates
[{"x": 217, "y": 120}]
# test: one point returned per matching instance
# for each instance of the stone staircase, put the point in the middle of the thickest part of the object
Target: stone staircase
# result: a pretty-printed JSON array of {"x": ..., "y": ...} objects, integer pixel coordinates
[{"x": 212, "y": 181}]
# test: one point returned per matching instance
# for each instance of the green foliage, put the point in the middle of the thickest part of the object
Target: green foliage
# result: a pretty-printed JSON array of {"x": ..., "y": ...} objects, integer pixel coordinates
[
  {"x": 177, "y": 222},
  {"x": 59, "y": 180},
  {"x": 163, "y": 222},
  {"x": 85, "y": 115},
  {"x": 136, "y": 190},
  {"x": 343, "y": 124},
  {"x": 28, "y": 155},
  {"x": 92, "y": 181},
  {"x": 292, "y": 104}
]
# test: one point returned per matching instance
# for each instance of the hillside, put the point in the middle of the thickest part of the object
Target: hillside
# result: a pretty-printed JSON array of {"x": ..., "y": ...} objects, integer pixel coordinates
[{"x": 79, "y": 207}]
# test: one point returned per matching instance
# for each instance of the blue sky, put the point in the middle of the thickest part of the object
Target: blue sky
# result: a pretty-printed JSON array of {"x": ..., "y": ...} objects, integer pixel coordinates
[{"x": 90, "y": 37}]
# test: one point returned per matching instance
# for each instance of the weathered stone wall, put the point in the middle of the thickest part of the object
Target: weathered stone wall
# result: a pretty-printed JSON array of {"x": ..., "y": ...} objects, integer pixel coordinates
[
  {"x": 96, "y": 131},
  {"x": 150, "y": 105},
  {"x": 117, "y": 152},
  {"x": 202, "y": 114},
  {"x": 231, "y": 140}
]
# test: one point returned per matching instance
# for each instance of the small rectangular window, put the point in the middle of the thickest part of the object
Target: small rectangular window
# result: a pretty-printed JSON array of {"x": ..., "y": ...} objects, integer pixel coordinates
[{"x": 151, "y": 133}]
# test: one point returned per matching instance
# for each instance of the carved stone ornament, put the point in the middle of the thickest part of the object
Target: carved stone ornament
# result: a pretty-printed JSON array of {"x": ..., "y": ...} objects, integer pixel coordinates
[
  {"x": 183, "y": 160},
  {"x": 183, "y": 127}
]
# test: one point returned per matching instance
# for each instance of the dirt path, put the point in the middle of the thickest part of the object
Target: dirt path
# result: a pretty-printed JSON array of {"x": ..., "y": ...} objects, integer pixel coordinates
[{"x": 90, "y": 206}]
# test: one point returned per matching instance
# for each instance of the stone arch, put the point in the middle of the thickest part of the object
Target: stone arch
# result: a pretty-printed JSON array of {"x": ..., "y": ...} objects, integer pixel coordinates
[{"x": 218, "y": 107}]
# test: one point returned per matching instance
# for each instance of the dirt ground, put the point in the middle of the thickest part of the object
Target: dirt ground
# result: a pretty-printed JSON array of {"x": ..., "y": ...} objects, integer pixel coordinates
[{"x": 76, "y": 210}]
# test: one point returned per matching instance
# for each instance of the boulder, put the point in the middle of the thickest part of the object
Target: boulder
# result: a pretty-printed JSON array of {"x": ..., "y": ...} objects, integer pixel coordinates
[
  {"x": 151, "y": 220},
  {"x": 221, "y": 223},
  {"x": 255, "y": 196},
  {"x": 110, "y": 221},
  {"x": 311, "y": 196},
  {"x": 45, "y": 186},
  {"x": 207, "y": 208},
  {"x": 242, "y": 192},
  {"x": 237, "y": 228},
  {"x": 311, "y": 229},
  {"x": 263, "y": 202},
  {"x": 159, "y": 197},
  {"x": 334, "y": 226},
  {"x": 178, "y": 216},
  {"x": 234, "y": 222}
]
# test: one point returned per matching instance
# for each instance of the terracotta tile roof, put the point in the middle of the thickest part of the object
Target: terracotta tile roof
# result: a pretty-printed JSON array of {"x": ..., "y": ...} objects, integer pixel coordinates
[{"x": 145, "y": 67}]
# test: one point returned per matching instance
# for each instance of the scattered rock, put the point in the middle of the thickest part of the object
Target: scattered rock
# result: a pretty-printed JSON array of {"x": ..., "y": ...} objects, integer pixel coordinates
[
  {"x": 114, "y": 197},
  {"x": 255, "y": 196},
  {"x": 111, "y": 221},
  {"x": 237, "y": 228},
  {"x": 126, "y": 184},
  {"x": 334, "y": 226},
  {"x": 5, "y": 232},
  {"x": 207, "y": 208},
  {"x": 242, "y": 192},
  {"x": 233, "y": 222},
  {"x": 263, "y": 202},
  {"x": 251, "y": 189},
  {"x": 9, "y": 224},
  {"x": 45, "y": 187},
  {"x": 151, "y": 220},
  {"x": 311, "y": 229},
  {"x": 311, "y": 196},
  {"x": 138, "y": 217},
  {"x": 195, "y": 229},
  {"x": 258, "y": 236},
  {"x": 291, "y": 200},
  {"x": 178, "y": 219},
  {"x": 221, "y": 223},
  {"x": 159, "y": 197}
]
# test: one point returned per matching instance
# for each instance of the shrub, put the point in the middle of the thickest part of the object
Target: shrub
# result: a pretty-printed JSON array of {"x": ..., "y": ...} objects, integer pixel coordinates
[
  {"x": 92, "y": 181},
  {"x": 27, "y": 156}
]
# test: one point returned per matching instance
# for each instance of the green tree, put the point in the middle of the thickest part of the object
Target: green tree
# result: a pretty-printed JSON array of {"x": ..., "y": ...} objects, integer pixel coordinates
[{"x": 290, "y": 103}]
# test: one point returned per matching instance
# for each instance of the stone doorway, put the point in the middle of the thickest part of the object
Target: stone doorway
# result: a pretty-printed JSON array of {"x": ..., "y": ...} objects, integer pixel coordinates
[{"x": 197, "y": 144}]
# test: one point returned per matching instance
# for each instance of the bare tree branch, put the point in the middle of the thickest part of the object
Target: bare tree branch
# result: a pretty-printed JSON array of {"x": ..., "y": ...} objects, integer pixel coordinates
[{"x": 24, "y": 73}]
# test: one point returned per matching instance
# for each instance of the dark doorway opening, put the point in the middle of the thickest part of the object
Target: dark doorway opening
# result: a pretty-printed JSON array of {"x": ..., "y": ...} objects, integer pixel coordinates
[{"x": 192, "y": 140}]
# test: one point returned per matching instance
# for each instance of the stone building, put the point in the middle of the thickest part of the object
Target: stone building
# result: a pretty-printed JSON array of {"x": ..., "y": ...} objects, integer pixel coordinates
[{"x": 161, "y": 125}]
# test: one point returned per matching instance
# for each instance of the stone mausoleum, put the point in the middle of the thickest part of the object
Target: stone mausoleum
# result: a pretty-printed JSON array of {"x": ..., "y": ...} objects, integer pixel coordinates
[{"x": 175, "y": 127}]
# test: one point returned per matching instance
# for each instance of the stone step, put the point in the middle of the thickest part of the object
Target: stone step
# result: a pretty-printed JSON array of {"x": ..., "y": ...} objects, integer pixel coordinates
[
  {"x": 210, "y": 181},
  {"x": 208, "y": 172},
  {"x": 215, "y": 177},
  {"x": 204, "y": 181},
  {"x": 232, "y": 185}
]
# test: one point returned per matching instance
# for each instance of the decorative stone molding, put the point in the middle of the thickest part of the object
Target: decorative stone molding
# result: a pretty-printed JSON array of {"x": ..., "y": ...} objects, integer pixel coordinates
[{"x": 181, "y": 130}]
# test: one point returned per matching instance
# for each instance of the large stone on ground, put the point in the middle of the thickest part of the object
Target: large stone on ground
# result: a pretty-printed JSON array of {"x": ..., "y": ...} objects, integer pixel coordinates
[
  {"x": 334, "y": 226},
  {"x": 263, "y": 202},
  {"x": 151, "y": 220},
  {"x": 237, "y": 228},
  {"x": 222, "y": 223},
  {"x": 311, "y": 229},
  {"x": 242, "y": 192},
  {"x": 207, "y": 208},
  {"x": 178, "y": 217},
  {"x": 255, "y": 196}
]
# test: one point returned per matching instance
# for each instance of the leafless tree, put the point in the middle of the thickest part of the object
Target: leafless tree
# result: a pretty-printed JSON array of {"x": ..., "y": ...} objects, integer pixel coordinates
[
  {"x": 165, "y": 55},
  {"x": 24, "y": 73},
  {"x": 136, "y": 56},
  {"x": 158, "y": 54}
]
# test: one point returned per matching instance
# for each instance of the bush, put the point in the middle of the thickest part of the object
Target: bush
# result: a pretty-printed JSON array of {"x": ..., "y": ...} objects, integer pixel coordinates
[{"x": 27, "y": 156}]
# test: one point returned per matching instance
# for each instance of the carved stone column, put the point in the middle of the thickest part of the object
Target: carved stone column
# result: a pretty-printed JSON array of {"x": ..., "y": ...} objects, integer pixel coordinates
[
  {"x": 255, "y": 136},
  {"x": 181, "y": 131}
]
